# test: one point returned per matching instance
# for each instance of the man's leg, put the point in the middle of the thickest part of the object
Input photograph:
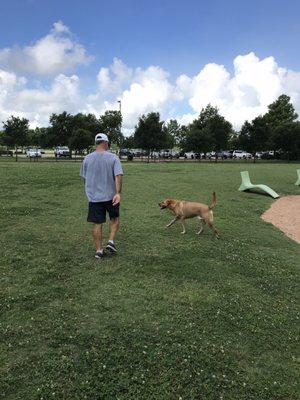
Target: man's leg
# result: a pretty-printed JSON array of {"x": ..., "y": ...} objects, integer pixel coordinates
[
  {"x": 114, "y": 215},
  {"x": 113, "y": 228},
  {"x": 97, "y": 235},
  {"x": 97, "y": 215}
]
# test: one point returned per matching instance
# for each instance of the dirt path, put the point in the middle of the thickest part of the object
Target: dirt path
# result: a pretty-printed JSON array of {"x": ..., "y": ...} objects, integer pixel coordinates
[{"x": 285, "y": 215}]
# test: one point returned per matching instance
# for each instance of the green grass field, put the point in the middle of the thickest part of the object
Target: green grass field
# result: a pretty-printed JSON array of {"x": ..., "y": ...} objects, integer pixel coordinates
[{"x": 172, "y": 316}]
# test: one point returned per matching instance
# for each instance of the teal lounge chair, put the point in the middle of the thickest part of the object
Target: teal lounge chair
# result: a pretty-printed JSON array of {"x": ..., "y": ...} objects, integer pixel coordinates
[
  {"x": 246, "y": 185},
  {"x": 298, "y": 180}
]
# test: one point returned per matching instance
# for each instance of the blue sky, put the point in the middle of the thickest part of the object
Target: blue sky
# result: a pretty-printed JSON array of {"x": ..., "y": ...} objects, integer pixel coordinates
[{"x": 179, "y": 37}]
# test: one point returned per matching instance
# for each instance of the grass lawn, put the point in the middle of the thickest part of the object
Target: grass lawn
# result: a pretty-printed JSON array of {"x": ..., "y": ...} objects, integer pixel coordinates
[{"x": 172, "y": 316}]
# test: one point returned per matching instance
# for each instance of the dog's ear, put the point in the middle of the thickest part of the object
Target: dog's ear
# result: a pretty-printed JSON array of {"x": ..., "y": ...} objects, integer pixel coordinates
[{"x": 168, "y": 202}]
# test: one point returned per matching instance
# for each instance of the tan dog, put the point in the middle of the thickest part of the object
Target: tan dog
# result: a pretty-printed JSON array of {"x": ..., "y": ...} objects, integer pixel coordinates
[{"x": 190, "y": 209}]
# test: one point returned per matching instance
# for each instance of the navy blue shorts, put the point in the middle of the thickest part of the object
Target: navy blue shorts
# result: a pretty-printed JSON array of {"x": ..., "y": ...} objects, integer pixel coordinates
[{"x": 97, "y": 211}]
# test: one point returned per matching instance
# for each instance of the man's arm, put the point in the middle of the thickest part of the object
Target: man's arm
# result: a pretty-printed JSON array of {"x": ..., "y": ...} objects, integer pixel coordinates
[
  {"x": 83, "y": 169},
  {"x": 117, "y": 197}
]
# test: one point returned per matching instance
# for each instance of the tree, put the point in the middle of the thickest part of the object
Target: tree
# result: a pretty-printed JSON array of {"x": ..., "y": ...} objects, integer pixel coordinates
[
  {"x": 176, "y": 132},
  {"x": 149, "y": 133},
  {"x": 128, "y": 142},
  {"x": 34, "y": 138},
  {"x": 287, "y": 138},
  {"x": 198, "y": 139},
  {"x": 234, "y": 140},
  {"x": 259, "y": 134},
  {"x": 43, "y": 137},
  {"x": 61, "y": 127},
  {"x": 281, "y": 112},
  {"x": 80, "y": 140},
  {"x": 15, "y": 132},
  {"x": 206, "y": 114},
  {"x": 255, "y": 136},
  {"x": 244, "y": 138},
  {"x": 88, "y": 122},
  {"x": 2, "y": 140},
  {"x": 110, "y": 123},
  {"x": 220, "y": 130},
  {"x": 210, "y": 131}
]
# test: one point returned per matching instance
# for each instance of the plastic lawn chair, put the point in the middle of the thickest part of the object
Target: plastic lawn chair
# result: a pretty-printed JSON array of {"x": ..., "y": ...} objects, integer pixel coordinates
[
  {"x": 297, "y": 183},
  {"x": 247, "y": 185}
]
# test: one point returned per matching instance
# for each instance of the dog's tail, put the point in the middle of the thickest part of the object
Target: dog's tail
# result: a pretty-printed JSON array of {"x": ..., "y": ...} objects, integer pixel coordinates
[{"x": 214, "y": 201}]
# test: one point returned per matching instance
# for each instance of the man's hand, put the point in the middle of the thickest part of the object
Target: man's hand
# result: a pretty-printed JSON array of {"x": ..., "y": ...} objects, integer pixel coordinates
[{"x": 116, "y": 199}]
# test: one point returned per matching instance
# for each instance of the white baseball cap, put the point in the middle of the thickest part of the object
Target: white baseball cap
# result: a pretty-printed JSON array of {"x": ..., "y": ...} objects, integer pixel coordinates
[{"x": 101, "y": 137}]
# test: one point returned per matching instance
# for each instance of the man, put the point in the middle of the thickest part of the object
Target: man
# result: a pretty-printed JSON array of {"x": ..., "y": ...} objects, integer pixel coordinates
[{"x": 103, "y": 175}]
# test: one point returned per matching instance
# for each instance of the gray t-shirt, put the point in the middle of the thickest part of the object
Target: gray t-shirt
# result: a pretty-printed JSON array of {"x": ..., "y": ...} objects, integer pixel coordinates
[{"x": 99, "y": 170}]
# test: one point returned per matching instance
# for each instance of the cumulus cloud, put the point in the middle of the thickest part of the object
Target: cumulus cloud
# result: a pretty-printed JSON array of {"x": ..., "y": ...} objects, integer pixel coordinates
[
  {"x": 246, "y": 94},
  {"x": 114, "y": 79},
  {"x": 140, "y": 91},
  {"x": 54, "y": 53},
  {"x": 243, "y": 94},
  {"x": 9, "y": 83},
  {"x": 38, "y": 104}
]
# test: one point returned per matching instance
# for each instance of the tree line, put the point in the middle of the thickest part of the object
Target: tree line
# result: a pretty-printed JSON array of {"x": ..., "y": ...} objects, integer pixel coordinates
[
  {"x": 75, "y": 131},
  {"x": 277, "y": 130}
]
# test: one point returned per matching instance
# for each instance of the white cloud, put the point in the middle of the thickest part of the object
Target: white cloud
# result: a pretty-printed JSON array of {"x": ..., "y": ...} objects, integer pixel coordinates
[
  {"x": 150, "y": 91},
  {"x": 140, "y": 91},
  {"x": 9, "y": 83},
  {"x": 242, "y": 95},
  {"x": 245, "y": 95},
  {"x": 54, "y": 53},
  {"x": 59, "y": 27},
  {"x": 38, "y": 104},
  {"x": 185, "y": 119},
  {"x": 114, "y": 79}
]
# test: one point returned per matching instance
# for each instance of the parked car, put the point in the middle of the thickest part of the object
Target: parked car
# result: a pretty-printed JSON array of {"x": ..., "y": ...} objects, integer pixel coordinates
[
  {"x": 211, "y": 155},
  {"x": 169, "y": 154},
  {"x": 166, "y": 154},
  {"x": 221, "y": 155},
  {"x": 81, "y": 152},
  {"x": 33, "y": 153},
  {"x": 226, "y": 154},
  {"x": 7, "y": 153},
  {"x": 267, "y": 155},
  {"x": 199, "y": 156},
  {"x": 241, "y": 154},
  {"x": 19, "y": 150},
  {"x": 155, "y": 154},
  {"x": 137, "y": 153},
  {"x": 189, "y": 155},
  {"x": 62, "y": 151},
  {"x": 215, "y": 154},
  {"x": 258, "y": 154},
  {"x": 125, "y": 153}
]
